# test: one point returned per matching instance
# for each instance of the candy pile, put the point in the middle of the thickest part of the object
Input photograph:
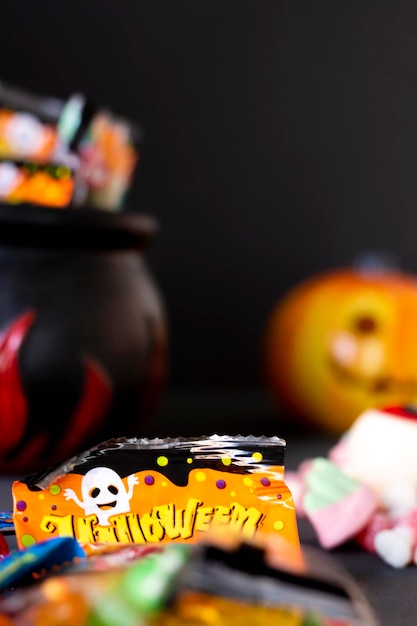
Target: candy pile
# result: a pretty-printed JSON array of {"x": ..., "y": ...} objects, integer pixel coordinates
[
  {"x": 165, "y": 532},
  {"x": 367, "y": 489},
  {"x": 62, "y": 154},
  {"x": 216, "y": 583}
]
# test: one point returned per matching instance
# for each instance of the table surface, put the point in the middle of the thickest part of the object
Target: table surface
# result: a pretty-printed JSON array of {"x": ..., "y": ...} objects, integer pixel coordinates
[{"x": 390, "y": 592}]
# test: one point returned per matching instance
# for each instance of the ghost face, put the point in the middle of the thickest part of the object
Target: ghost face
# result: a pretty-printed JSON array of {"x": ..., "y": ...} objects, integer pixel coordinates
[
  {"x": 25, "y": 134},
  {"x": 104, "y": 494}
]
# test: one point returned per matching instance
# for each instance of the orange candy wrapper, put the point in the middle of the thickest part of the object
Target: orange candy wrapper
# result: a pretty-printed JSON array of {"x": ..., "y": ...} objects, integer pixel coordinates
[
  {"x": 162, "y": 490},
  {"x": 24, "y": 136},
  {"x": 34, "y": 183}
]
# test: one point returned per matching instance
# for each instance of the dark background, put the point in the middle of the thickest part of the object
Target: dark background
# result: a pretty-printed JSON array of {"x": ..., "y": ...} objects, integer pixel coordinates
[{"x": 280, "y": 140}]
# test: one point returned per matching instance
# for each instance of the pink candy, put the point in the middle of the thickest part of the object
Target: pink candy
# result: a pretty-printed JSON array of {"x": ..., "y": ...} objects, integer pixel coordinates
[{"x": 366, "y": 537}]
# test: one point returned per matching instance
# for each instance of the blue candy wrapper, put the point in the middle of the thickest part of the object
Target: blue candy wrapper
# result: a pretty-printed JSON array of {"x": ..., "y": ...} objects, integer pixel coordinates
[{"x": 21, "y": 565}]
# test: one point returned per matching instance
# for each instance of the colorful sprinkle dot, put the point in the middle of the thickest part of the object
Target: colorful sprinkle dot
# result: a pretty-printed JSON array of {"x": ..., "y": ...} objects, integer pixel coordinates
[
  {"x": 189, "y": 460},
  {"x": 162, "y": 461},
  {"x": 25, "y": 519},
  {"x": 149, "y": 480},
  {"x": 55, "y": 489},
  {"x": 21, "y": 505},
  {"x": 41, "y": 496},
  {"x": 200, "y": 476},
  {"x": 53, "y": 507},
  {"x": 232, "y": 494},
  {"x": 28, "y": 540},
  {"x": 164, "y": 483},
  {"x": 220, "y": 484},
  {"x": 247, "y": 481},
  {"x": 279, "y": 525},
  {"x": 265, "y": 481},
  {"x": 279, "y": 496},
  {"x": 257, "y": 456},
  {"x": 226, "y": 460}
]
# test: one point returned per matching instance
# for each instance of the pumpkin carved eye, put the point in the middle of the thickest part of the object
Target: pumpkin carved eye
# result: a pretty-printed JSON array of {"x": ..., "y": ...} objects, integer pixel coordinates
[{"x": 365, "y": 324}]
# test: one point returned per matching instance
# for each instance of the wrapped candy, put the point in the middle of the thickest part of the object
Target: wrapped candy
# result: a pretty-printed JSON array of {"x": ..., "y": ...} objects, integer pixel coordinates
[
  {"x": 36, "y": 183},
  {"x": 247, "y": 585},
  {"x": 24, "y": 136},
  {"x": 162, "y": 490},
  {"x": 367, "y": 489},
  {"x": 20, "y": 565},
  {"x": 214, "y": 583},
  {"x": 77, "y": 596},
  {"x": 106, "y": 147},
  {"x": 60, "y": 153}
]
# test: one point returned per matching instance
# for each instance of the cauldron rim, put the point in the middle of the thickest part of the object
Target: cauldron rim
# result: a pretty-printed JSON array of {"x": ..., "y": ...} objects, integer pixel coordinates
[{"x": 37, "y": 226}]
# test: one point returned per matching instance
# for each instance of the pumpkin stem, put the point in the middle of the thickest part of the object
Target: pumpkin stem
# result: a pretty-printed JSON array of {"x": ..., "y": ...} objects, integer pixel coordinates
[{"x": 376, "y": 263}]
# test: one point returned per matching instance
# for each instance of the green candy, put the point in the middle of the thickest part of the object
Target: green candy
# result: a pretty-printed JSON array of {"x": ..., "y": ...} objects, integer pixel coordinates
[
  {"x": 141, "y": 590},
  {"x": 146, "y": 584},
  {"x": 326, "y": 484}
]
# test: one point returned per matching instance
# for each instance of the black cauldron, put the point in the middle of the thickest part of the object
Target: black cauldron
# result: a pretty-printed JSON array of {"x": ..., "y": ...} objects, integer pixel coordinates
[{"x": 82, "y": 332}]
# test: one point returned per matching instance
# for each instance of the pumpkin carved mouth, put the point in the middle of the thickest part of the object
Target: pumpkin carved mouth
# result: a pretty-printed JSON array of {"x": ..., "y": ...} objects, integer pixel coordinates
[{"x": 376, "y": 384}]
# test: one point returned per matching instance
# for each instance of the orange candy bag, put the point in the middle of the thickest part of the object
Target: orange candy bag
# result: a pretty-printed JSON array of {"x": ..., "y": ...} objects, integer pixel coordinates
[{"x": 162, "y": 490}]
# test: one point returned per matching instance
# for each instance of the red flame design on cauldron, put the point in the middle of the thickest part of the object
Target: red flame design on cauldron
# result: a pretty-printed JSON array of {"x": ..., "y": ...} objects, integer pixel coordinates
[
  {"x": 89, "y": 413},
  {"x": 13, "y": 406},
  {"x": 14, "y": 411}
]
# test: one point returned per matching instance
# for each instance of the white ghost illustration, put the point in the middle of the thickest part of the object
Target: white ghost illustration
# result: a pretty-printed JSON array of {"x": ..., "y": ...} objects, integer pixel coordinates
[
  {"x": 103, "y": 494},
  {"x": 25, "y": 134}
]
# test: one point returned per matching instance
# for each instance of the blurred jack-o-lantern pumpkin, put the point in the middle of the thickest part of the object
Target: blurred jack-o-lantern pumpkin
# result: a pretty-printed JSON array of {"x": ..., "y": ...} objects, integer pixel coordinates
[{"x": 341, "y": 342}]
